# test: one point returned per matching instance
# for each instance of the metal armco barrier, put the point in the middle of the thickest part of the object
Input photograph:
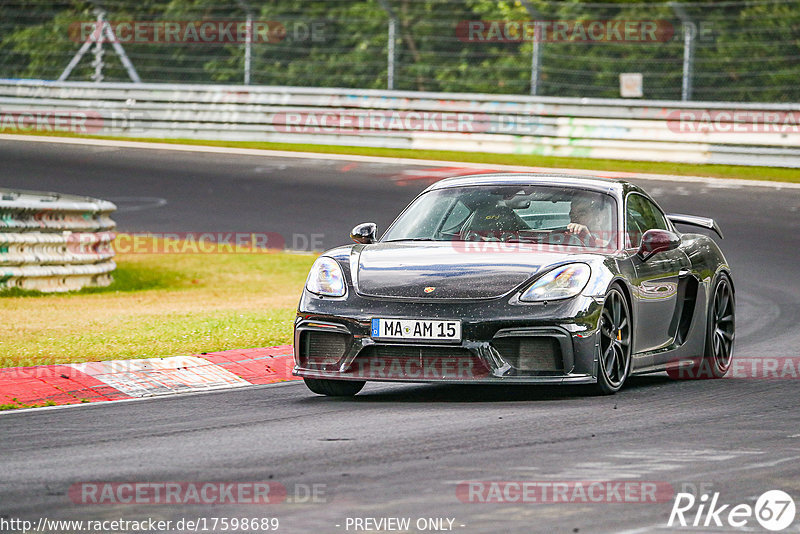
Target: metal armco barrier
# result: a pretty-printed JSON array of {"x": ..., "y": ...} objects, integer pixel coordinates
[
  {"x": 688, "y": 132},
  {"x": 51, "y": 242}
]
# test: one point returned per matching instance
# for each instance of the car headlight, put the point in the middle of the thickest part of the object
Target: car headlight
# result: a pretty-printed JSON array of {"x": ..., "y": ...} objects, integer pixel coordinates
[
  {"x": 326, "y": 278},
  {"x": 562, "y": 282}
]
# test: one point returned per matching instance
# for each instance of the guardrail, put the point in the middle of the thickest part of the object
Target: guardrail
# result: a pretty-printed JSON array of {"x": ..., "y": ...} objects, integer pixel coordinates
[
  {"x": 688, "y": 132},
  {"x": 51, "y": 242}
]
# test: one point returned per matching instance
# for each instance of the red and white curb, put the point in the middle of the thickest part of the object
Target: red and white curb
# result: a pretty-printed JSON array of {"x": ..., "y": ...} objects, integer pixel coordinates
[{"x": 129, "y": 379}]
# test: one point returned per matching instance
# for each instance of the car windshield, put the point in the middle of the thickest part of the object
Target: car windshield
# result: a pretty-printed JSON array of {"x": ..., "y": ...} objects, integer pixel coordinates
[{"x": 528, "y": 214}]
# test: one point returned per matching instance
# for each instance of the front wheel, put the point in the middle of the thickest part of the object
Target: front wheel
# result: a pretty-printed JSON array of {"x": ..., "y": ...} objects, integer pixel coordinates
[
  {"x": 614, "y": 363},
  {"x": 334, "y": 388}
]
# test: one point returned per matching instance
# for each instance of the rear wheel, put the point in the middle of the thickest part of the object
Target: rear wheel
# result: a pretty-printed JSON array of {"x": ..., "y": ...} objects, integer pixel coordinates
[
  {"x": 614, "y": 363},
  {"x": 334, "y": 388},
  {"x": 721, "y": 328},
  {"x": 720, "y": 333}
]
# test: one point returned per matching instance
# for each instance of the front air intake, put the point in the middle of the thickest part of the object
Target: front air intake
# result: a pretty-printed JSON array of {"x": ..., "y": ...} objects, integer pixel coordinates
[
  {"x": 322, "y": 349},
  {"x": 540, "y": 354}
]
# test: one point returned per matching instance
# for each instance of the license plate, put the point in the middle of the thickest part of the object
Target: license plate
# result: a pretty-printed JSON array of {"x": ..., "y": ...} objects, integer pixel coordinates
[{"x": 416, "y": 329}]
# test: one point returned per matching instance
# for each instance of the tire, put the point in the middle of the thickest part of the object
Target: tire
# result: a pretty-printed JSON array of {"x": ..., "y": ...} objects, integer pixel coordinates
[
  {"x": 614, "y": 363},
  {"x": 720, "y": 334},
  {"x": 334, "y": 388},
  {"x": 721, "y": 329}
]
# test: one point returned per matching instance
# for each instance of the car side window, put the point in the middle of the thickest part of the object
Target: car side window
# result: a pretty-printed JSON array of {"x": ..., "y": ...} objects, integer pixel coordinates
[{"x": 642, "y": 215}]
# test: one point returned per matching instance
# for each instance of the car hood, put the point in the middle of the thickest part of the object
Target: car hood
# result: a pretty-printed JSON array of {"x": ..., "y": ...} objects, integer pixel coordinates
[{"x": 445, "y": 270}]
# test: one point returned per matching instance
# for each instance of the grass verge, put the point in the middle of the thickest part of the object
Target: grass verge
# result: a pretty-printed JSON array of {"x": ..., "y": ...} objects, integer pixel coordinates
[
  {"x": 158, "y": 305},
  {"x": 19, "y": 405},
  {"x": 744, "y": 172}
]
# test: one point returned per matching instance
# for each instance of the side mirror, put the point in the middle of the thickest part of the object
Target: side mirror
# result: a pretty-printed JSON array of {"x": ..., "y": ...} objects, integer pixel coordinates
[
  {"x": 655, "y": 241},
  {"x": 364, "y": 233}
]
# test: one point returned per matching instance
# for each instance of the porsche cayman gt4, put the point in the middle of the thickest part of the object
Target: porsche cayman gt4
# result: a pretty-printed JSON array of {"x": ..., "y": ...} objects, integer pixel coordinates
[{"x": 518, "y": 279}]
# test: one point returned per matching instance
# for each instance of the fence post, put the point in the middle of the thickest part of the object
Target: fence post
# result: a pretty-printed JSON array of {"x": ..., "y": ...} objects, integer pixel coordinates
[
  {"x": 98, "y": 63},
  {"x": 248, "y": 39},
  {"x": 536, "y": 53},
  {"x": 248, "y": 45},
  {"x": 689, "y": 32},
  {"x": 390, "y": 47}
]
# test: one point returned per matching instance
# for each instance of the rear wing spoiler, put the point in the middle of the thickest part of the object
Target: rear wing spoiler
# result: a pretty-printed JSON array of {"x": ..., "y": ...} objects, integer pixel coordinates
[{"x": 693, "y": 220}]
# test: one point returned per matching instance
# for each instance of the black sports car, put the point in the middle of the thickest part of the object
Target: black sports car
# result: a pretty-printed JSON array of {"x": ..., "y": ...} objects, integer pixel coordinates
[{"x": 518, "y": 278}]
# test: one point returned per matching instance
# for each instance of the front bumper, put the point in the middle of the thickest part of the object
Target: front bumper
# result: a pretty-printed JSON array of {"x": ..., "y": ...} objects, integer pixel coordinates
[{"x": 502, "y": 342}]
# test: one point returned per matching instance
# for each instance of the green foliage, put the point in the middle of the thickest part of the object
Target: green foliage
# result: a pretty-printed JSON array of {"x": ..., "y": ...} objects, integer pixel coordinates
[{"x": 744, "y": 51}]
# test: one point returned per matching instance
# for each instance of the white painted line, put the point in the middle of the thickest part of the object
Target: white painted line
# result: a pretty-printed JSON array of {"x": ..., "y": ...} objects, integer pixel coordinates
[
  {"x": 6, "y": 413},
  {"x": 723, "y": 183}
]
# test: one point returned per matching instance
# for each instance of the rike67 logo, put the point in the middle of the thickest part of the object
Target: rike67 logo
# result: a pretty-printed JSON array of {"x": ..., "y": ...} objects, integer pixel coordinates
[{"x": 774, "y": 510}]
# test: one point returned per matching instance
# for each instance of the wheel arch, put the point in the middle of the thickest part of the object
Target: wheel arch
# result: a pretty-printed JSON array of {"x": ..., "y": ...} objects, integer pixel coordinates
[
  {"x": 626, "y": 292},
  {"x": 727, "y": 272},
  {"x": 721, "y": 270}
]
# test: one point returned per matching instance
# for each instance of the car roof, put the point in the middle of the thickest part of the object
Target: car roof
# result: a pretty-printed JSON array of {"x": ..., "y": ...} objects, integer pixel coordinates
[{"x": 595, "y": 183}]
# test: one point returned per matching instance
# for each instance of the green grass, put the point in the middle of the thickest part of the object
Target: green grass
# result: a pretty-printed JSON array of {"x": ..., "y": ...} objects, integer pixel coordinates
[
  {"x": 158, "y": 305},
  {"x": 19, "y": 405},
  {"x": 777, "y": 174}
]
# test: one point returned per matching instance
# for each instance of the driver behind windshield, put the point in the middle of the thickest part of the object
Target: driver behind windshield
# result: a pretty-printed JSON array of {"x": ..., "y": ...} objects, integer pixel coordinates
[{"x": 589, "y": 221}]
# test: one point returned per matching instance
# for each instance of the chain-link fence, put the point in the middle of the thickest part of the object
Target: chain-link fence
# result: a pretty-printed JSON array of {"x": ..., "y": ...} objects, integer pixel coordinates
[{"x": 745, "y": 51}]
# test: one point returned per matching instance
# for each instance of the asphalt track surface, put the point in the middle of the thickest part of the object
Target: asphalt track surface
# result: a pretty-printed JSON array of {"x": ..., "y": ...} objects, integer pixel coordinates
[{"x": 401, "y": 450}]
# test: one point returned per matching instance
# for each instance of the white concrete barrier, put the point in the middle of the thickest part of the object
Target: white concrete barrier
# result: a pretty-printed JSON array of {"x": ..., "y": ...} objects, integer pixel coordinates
[{"x": 689, "y": 132}]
